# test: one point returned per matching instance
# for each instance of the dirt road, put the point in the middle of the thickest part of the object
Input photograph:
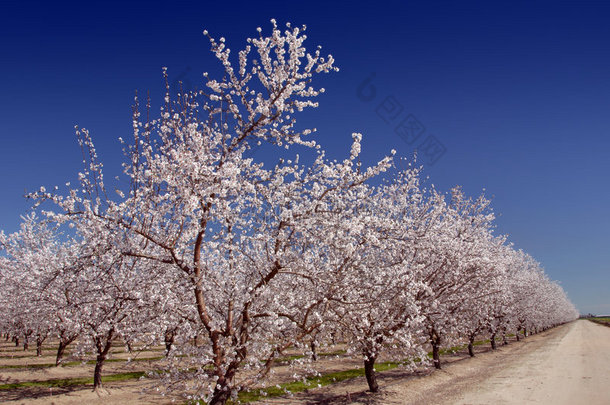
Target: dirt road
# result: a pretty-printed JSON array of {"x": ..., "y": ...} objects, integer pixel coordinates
[{"x": 571, "y": 368}]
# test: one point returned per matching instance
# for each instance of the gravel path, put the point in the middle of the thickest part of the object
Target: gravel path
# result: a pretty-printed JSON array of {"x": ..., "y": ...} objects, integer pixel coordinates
[{"x": 571, "y": 368}]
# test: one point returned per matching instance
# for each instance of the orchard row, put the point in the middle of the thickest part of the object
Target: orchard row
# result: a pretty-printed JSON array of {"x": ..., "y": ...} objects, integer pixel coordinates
[{"x": 230, "y": 262}]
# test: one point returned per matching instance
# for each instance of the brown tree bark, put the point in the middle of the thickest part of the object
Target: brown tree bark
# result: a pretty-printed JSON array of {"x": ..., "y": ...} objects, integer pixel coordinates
[
  {"x": 369, "y": 372},
  {"x": 222, "y": 392},
  {"x": 435, "y": 341},
  {"x": 26, "y": 339},
  {"x": 61, "y": 349},
  {"x": 60, "y": 352},
  {"x": 97, "y": 374},
  {"x": 471, "y": 346},
  {"x": 436, "y": 356},
  {"x": 169, "y": 340},
  {"x": 39, "y": 341},
  {"x": 102, "y": 352},
  {"x": 493, "y": 341},
  {"x": 314, "y": 350},
  {"x": 220, "y": 396}
]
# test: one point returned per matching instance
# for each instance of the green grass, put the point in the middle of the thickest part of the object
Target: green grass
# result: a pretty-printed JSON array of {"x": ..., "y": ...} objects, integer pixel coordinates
[
  {"x": 308, "y": 383},
  {"x": 602, "y": 320},
  {"x": 71, "y": 382}
]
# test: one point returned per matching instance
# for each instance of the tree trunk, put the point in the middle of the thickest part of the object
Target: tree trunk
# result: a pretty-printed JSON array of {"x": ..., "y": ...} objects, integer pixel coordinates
[
  {"x": 97, "y": 374},
  {"x": 435, "y": 341},
  {"x": 493, "y": 341},
  {"x": 369, "y": 372},
  {"x": 99, "y": 364},
  {"x": 222, "y": 392},
  {"x": 436, "y": 356},
  {"x": 60, "y": 352},
  {"x": 220, "y": 396},
  {"x": 314, "y": 352},
  {"x": 504, "y": 339},
  {"x": 102, "y": 353},
  {"x": 26, "y": 339},
  {"x": 471, "y": 346},
  {"x": 169, "y": 340},
  {"x": 63, "y": 343},
  {"x": 16, "y": 342},
  {"x": 517, "y": 334},
  {"x": 39, "y": 341}
]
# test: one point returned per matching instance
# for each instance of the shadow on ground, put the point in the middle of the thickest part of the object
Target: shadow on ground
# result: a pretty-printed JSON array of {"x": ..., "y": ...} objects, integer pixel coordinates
[
  {"x": 385, "y": 379},
  {"x": 25, "y": 393}
]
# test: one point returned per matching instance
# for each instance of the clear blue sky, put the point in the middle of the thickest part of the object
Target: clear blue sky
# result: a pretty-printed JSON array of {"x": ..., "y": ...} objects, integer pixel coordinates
[{"x": 518, "y": 94}]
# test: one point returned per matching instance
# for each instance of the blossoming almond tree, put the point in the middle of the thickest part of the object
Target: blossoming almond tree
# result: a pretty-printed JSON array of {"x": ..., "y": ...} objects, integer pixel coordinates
[
  {"x": 35, "y": 269},
  {"x": 199, "y": 206},
  {"x": 373, "y": 280},
  {"x": 475, "y": 314},
  {"x": 453, "y": 265},
  {"x": 115, "y": 295}
]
